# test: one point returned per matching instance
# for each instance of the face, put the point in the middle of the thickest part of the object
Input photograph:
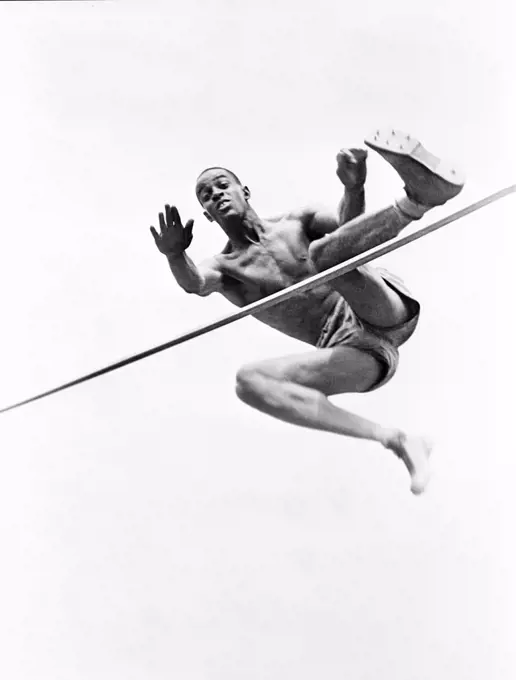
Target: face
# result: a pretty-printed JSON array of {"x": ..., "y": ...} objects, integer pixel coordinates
[{"x": 221, "y": 195}]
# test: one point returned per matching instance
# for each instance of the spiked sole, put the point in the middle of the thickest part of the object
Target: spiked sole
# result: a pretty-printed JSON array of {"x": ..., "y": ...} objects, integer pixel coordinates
[{"x": 428, "y": 179}]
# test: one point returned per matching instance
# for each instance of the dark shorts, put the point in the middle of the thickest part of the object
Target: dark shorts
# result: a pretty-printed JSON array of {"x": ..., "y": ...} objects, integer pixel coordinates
[{"x": 344, "y": 328}]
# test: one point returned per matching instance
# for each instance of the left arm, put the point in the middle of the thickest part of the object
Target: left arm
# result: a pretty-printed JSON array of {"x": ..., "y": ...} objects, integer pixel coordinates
[
  {"x": 351, "y": 205},
  {"x": 351, "y": 170}
]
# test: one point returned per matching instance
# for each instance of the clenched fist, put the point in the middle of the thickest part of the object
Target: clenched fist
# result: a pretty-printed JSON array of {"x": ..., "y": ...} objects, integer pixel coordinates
[{"x": 351, "y": 167}]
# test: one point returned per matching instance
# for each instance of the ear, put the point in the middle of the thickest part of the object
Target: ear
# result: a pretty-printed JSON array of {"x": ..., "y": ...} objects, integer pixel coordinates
[
  {"x": 208, "y": 216},
  {"x": 247, "y": 193}
]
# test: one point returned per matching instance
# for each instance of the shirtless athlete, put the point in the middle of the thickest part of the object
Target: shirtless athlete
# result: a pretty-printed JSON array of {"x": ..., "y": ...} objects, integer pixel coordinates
[{"x": 356, "y": 322}]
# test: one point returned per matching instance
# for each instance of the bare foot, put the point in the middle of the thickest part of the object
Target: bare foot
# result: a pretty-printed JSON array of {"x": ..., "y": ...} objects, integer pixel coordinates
[
  {"x": 428, "y": 179},
  {"x": 415, "y": 453}
]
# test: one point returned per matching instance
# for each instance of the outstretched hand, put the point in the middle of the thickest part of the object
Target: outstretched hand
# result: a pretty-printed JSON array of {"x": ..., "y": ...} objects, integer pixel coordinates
[
  {"x": 174, "y": 238},
  {"x": 352, "y": 168}
]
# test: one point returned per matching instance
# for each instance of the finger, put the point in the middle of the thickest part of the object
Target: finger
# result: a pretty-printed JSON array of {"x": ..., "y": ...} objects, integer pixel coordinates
[
  {"x": 155, "y": 234},
  {"x": 345, "y": 156},
  {"x": 359, "y": 154},
  {"x": 189, "y": 230},
  {"x": 162, "y": 224},
  {"x": 175, "y": 216},
  {"x": 168, "y": 218}
]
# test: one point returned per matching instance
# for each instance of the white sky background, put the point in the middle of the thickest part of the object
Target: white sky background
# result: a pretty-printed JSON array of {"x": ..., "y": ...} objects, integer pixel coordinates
[{"x": 151, "y": 525}]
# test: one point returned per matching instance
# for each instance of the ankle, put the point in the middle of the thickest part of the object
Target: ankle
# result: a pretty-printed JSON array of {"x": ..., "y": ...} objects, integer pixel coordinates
[
  {"x": 410, "y": 208},
  {"x": 391, "y": 439}
]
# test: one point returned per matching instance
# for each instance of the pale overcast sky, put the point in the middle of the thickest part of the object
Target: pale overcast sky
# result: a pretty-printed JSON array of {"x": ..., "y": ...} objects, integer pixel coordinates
[{"x": 153, "y": 527}]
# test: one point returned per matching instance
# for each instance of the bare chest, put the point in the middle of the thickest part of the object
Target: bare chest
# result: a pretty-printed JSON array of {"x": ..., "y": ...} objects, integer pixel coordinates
[{"x": 276, "y": 261}]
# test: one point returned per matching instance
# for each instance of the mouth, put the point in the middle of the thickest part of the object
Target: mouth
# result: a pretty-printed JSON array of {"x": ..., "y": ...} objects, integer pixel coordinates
[{"x": 222, "y": 205}]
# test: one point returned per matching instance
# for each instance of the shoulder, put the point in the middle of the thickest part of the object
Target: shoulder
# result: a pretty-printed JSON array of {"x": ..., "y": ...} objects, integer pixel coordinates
[
  {"x": 211, "y": 264},
  {"x": 299, "y": 214},
  {"x": 220, "y": 257},
  {"x": 315, "y": 219},
  {"x": 219, "y": 262},
  {"x": 302, "y": 214}
]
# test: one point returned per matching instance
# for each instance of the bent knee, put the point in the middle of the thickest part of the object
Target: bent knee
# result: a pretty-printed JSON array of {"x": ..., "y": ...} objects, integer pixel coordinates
[
  {"x": 326, "y": 252},
  {"x": 315, "y": 253}
]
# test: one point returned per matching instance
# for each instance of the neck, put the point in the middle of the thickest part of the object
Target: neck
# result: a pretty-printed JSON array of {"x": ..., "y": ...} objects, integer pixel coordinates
[{"x": 243, "y": 229}]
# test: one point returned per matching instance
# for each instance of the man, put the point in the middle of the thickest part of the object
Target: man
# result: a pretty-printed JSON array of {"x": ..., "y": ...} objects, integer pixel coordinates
[{"x": 356, "y": 322}]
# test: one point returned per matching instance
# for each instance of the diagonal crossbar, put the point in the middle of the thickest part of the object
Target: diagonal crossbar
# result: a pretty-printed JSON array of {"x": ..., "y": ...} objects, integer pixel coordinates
[{"x": 280, "y": 296}]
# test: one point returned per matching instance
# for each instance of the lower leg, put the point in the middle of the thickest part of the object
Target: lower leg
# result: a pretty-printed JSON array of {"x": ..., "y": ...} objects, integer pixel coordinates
[
  {"x": 307, "y": 407},
  {"x": 428, "y": 181}
]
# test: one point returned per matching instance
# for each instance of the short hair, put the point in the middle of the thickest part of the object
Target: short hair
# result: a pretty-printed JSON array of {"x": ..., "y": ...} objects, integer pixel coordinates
[{"x": 220, "y": 167}]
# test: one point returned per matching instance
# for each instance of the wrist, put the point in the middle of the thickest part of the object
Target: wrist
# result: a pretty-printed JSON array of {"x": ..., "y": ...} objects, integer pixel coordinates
[
  {"x": 355, "y": 189},
  {"x": 175, "y": 257}
]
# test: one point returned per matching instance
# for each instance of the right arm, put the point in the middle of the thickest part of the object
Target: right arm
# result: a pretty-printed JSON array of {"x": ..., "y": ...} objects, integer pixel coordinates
[
  {"x": 202, "y": 280},
  {"x": 172, "y": 241}
]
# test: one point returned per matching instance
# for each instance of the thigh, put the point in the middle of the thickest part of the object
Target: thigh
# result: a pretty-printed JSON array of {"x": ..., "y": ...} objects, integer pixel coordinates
[
  {"x": 336, "y": 370},
  {"x": 372, "y": 298}
]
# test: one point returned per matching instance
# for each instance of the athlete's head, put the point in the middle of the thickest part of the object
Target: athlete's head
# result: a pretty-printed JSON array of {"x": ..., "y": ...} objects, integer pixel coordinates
[{"x": 221, "y": 194}]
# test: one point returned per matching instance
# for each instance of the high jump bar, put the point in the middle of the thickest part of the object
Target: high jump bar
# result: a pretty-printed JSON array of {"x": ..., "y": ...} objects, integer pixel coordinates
[{"x": 280, "y": 296}]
